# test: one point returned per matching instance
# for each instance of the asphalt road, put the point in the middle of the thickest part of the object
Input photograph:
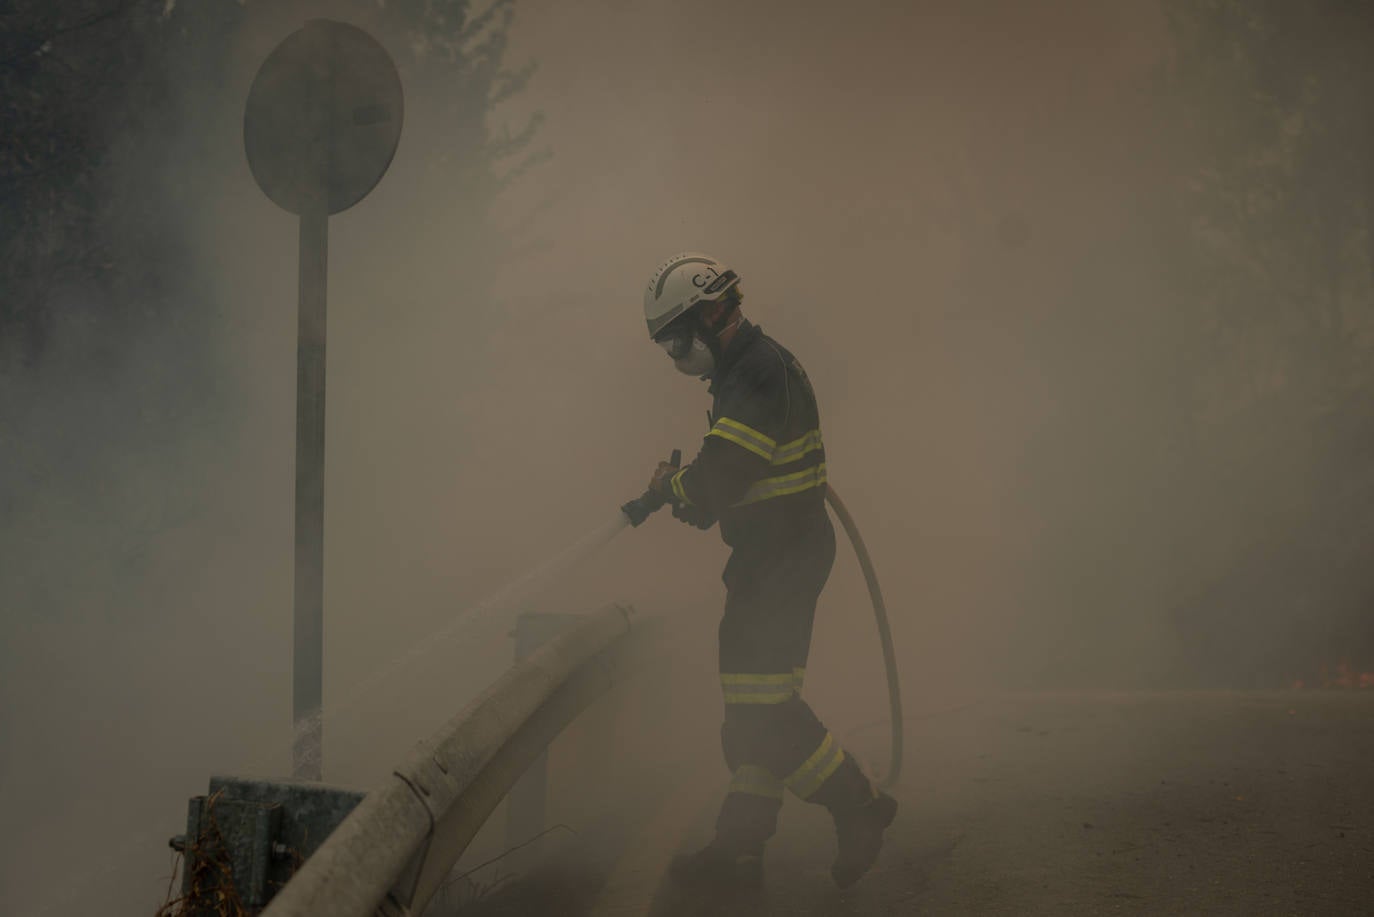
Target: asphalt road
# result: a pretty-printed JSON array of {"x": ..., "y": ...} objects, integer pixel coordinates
[{"x": 1062, "y": 804}]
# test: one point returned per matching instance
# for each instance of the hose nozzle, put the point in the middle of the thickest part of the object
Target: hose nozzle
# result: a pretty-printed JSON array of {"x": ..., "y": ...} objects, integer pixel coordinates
[{"x": 649, "y": 502}]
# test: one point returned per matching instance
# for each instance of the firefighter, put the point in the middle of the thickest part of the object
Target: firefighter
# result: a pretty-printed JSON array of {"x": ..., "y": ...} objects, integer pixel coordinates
[{"x": 761, "y": 475}]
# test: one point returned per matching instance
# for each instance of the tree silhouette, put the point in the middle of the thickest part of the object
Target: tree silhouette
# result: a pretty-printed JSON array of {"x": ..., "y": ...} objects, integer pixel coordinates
[
  {"x": 1275, "y": 208},
  {"x": 88, "y": 86}
]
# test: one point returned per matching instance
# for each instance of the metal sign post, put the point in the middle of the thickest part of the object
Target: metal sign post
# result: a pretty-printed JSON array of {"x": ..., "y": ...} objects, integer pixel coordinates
[
  {"x": 307, "y": 663},
  {"x": 320, "y": 128}
]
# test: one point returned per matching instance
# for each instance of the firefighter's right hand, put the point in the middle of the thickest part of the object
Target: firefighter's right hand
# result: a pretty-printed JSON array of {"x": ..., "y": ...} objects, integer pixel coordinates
[{"x": 660, "y": 482}]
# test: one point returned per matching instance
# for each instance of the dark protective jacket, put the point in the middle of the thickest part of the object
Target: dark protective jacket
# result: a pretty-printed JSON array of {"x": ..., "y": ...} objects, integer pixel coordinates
[{"x": 761, "y": 469}]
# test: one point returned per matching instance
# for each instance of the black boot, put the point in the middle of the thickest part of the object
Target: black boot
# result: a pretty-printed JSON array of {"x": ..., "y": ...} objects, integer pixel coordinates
[
  {"x": 715, "y": 868},
  {"x": 860, "y": 832}
]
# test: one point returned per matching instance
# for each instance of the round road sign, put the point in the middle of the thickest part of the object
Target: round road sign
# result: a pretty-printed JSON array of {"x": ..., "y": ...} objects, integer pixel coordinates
[{"x": 323, "y": 117}]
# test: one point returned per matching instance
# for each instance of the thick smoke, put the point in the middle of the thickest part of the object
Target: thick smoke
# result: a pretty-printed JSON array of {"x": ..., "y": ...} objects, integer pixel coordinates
[{"x": 968, "y": 221}]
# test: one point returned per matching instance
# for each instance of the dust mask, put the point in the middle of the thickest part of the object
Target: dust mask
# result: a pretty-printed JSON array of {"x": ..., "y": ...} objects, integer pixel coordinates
[{"x": 691, "y": 355}]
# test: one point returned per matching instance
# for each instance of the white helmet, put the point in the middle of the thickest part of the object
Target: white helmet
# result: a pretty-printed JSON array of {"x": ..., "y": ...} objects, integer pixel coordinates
[{"x": 680, "y": 283}]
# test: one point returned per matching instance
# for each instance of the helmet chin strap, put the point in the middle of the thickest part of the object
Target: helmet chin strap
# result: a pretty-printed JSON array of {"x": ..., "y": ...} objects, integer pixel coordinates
[{"x": 713, "y": 331}]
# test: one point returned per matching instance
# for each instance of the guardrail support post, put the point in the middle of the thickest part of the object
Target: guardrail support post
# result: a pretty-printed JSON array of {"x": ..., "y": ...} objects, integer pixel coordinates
[{"x": 246, "y": 837}]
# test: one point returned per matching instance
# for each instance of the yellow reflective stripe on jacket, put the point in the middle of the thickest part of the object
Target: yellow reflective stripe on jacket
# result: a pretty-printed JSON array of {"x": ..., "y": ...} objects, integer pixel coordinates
[
  {"x": 750, "y": 678},
  {"x": 676, "y": 482},
  {"x": 815, "y": 770},
  {"x": 798, "y": 448},
  {"x": 756, "y": 781},
  {"x": 798, "y": 676},
  {"x": 770, "y": 688},
  {"x": 741, "y": 435},
  {"x": 757, "y": 695},
  {"x": 782, "y": 485}
]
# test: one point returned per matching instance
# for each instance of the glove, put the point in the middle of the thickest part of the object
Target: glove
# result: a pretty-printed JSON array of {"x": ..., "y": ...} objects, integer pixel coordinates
[
  {"x": 693, "y": 515},
  {"x": 660, "y": 483}
]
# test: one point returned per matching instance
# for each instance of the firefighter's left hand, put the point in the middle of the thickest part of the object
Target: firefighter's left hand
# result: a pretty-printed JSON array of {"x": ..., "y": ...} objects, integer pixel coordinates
[
  {"x": 693, "y": 515},
  {"x": 659, "y": 483}
]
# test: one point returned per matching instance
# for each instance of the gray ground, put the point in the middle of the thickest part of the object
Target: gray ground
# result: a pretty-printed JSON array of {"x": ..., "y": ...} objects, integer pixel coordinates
[
  {"x": 1197, "y": 803},
  {"x": 1093, "y": 804}
]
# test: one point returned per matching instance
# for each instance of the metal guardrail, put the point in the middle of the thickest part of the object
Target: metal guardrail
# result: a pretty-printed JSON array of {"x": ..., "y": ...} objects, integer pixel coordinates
[{"x": 395, "y": 849}]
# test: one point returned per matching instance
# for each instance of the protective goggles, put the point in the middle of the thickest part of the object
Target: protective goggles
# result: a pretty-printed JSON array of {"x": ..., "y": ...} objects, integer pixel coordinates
[{"x": 676, "y": 340}]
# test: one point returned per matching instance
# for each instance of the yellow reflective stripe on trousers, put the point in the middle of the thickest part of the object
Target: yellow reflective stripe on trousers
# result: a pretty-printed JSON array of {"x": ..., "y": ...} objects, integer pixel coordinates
[
  {"x": 741, "y": 435},
  {"x": 784, "y": 484},
  {"x": 771, "y": 688},
  {"x": 798, "y": 448},
  {"x": 756, "y": 781},
  {"x": 815, "y": 770},
  {"x": 676, "y": 482}
]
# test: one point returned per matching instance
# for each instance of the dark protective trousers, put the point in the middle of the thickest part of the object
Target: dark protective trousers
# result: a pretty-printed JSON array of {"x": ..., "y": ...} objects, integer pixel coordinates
[{"x": 771, "y": 737}]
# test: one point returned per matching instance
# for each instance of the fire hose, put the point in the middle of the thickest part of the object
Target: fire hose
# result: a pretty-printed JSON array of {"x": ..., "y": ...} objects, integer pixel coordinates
[
  {"x": 875, "y": 595},
  {"x": 639, "y": 509}
]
